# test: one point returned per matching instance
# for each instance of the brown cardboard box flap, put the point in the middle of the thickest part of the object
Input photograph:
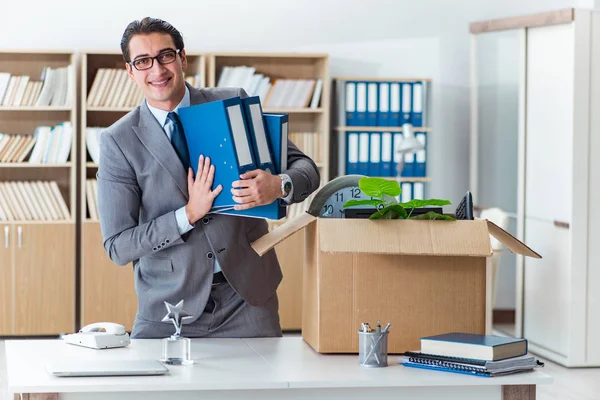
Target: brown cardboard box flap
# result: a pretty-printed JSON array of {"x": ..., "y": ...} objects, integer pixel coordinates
[
  {"x": 277, "y": 235},
  {"x": 511, "y": 243},
  {"x": 410, "y": 237}
]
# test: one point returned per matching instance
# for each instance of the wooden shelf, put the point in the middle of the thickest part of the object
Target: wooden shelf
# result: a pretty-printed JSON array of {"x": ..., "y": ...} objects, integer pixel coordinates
[
  {"x": 379, "y": 79},
  {"x": 91, "y": 164},
  {"x": 405, "y": 178},
  {"x": 27, "y": 165},
  {"x": 110, "y": 109},
  {"x": 293, "y": 110},
  {"x": 380, "y": 129},
  {"x": 41, "y": 108}
]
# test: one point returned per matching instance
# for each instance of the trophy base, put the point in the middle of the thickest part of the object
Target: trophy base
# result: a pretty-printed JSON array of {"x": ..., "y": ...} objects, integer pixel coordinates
[{"x": 176, "y": 350}]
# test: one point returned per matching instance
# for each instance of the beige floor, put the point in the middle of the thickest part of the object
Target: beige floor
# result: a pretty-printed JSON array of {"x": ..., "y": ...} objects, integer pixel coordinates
[{"x": 569, "y": 384}]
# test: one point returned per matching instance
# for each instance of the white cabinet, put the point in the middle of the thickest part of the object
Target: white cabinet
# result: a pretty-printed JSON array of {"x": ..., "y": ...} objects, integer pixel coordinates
[{"x": 558, "y": 182}]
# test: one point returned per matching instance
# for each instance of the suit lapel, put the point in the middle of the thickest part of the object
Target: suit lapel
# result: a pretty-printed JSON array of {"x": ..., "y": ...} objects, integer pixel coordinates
[{"x": 156, "y": 141}]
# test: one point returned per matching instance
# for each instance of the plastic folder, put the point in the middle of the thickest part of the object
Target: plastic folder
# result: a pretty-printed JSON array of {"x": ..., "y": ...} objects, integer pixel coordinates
[
  {"x": 218, "y": 130},
  {"x": 261, "y": 147}
]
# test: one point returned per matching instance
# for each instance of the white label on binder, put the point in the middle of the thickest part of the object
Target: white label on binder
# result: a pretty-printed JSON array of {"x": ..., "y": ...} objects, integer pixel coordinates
[
  {"x": 375, "y": 147},
  {"x": 406, "y": 97},
  {"x": 284, "y": 146},
  {"x": 260, "y": 134},
  {"x": 350, "y": 96},
  {"x": 361, "y": 97},
  {"x": 372, "y": 97},
  {"x": 406, "y": 192},
  {"x": 421, "y": 153},
  {"x": 386, "y": 147},
  {"x": 363, "y": 155},
  {"x": 353, "y": 148},
  {"x": 240, "y": 140},
  {"x": 384, "y": 97},
  {"x": 418, "y": 97},
  {"x": 398, "y": 138},
  {"x": 418, "y": 190},
  {"x": 395, "y": 97}
]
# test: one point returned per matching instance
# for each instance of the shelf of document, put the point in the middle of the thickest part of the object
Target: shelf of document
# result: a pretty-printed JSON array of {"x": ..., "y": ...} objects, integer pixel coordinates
[
  {"x": 28, "y": 165},
  {"x": 380, "y": 128},
  {"x": 33, "y": 108},
  {"x": 266, "y": 110}
]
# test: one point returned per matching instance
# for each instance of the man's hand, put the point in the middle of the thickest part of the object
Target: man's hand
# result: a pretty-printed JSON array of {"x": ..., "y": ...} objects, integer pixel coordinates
[
  {"x": 256, "y": 188},
  {"x": 199, "y": 190}
]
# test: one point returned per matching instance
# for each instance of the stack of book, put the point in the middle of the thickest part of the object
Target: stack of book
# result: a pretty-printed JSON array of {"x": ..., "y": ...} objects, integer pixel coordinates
[
  {"x": 482, "y": 355},
  {"x": 54, "y": 88}
]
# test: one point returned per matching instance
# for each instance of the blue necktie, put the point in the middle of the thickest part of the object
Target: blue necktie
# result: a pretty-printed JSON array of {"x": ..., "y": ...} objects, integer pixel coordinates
[{"x": 178, "y": 140}]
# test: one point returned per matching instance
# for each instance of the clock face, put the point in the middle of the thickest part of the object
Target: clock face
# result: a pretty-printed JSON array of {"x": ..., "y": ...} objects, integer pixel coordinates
[{"x": 333, "y": 206}]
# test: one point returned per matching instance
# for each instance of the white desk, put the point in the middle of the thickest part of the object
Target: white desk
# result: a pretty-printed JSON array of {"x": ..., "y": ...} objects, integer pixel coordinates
[{"x": 249, "y": 369}]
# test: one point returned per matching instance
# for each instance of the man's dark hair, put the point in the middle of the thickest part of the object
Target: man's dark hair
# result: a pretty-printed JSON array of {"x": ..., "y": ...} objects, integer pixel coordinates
[{"x": 145, "y": 26}]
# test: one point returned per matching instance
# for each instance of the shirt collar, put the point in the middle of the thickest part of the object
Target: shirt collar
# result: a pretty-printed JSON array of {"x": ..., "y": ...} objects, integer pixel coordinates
[{"x": 161, "y": 115}]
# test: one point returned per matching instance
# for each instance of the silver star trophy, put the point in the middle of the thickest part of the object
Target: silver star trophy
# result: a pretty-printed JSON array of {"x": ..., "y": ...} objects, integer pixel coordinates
[{"x": 176, "y": 349}]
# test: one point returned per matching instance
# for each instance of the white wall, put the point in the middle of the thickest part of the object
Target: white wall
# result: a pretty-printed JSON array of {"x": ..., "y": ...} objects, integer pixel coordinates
[{"x": 425, "y": 38}]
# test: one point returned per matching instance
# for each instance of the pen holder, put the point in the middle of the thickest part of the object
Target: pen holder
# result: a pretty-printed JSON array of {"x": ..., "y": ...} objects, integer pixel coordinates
[
  {"x": 372, "y": 349},
  {"x": 176, "y": 351}
]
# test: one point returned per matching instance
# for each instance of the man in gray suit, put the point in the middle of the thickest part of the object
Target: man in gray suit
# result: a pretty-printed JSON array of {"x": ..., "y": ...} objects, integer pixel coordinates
[{"x": 155, "y": 217}]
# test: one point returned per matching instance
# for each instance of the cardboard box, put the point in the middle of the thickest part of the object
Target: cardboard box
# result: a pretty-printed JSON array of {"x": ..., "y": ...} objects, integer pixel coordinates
[{"x": 425, "y": 277}]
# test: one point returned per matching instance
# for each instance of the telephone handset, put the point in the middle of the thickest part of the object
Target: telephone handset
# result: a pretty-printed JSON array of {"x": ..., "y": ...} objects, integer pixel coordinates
[{"x": 100, "y": 335}]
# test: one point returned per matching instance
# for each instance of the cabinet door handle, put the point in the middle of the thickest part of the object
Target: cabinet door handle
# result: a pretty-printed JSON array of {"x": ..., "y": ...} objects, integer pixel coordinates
[
  {"x": 19, "y": 236},
  {"x": 561, "y": 224},
  {"x": 6, "y": 237}
]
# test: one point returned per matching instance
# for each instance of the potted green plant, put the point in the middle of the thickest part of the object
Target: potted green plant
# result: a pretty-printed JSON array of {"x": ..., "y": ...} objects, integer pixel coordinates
[{"x": 383, "y": 193}]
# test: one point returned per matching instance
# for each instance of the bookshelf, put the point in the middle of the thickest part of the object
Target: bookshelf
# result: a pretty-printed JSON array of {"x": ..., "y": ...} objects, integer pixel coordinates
[
  {"x": 98, "y": 274},
  {"x": 341, "y": 128},
  {"x": 38, "y": 199},
  {"x": 303, "y": 122}
]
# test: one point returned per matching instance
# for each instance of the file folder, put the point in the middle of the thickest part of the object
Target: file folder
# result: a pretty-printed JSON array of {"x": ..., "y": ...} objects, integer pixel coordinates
[
  {"x": 409, "y": 162},
  {"x": 352, "y": 153},
  {"x": 418, "y": 190},
  {"x": 398, "y": 138},
  {"x": 351, "y": 104},
  {"x": 361, "y": 104},
  {"x": 375, "y": 154},
  {"x": 363, "y": 154},
  {"x": 421, "y": 156},
  {"x": 383, "y": 113},
  {"x": 407, "y": 192},
  {"x": 218, "y": 130},
  {"x": 258, "y": 136},
  {"x": 372, "y": 103},
  {"x": 277, "y": 131},
  {"x": 417, "y": 104},
  {"x": 395, "y": 98},
  {"x": 386, "y": 154},
  {"x": 405, "y": 116}
]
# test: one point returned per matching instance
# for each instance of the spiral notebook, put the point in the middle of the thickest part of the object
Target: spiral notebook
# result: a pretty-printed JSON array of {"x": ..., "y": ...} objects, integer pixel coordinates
[{"x": 470, "y": 366}]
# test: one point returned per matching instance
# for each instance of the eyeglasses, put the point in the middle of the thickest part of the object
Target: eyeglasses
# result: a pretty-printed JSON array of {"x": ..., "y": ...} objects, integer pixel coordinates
[{"x": 166, "y": 57}]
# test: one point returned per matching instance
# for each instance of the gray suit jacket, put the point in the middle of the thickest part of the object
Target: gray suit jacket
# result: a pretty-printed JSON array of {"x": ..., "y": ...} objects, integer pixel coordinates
[{"x": 141, "y": 183}]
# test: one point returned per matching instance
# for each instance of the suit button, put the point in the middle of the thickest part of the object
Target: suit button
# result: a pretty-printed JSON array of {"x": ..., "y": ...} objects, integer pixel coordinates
[
  {"x": 154, "y": 248},
  {"x": 162, "y": 244},
  {"x": 209, "y": 255},
  {"x": 205, "y": 221},
  {"x": 167, "y": 241}
]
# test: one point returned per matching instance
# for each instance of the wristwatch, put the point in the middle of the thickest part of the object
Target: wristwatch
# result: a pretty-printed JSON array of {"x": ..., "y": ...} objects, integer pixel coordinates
[{"x": 286, "y": 185}]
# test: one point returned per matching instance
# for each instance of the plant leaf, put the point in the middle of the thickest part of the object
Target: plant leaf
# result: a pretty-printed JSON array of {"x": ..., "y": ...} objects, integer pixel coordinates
[
  {"x": 416, "y": 203},
  {"x": 392, "y": 211},
  {"x": 431, "y": 215},
  {"x": 352, "y": 203},
  {"x": 399, "y": 210},
  {"x": 377, "y": 187}
]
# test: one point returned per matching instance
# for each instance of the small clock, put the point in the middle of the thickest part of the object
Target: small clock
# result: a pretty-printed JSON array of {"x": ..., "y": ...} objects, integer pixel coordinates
[{"x": 329, "y": 201}]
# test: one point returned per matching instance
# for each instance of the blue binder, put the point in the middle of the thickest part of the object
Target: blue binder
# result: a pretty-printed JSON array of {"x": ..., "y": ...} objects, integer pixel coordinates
[
  {"x": 277, "y": 132},
  {"x": 372, "y": 103},
  {"x": 277, "y": 129},
  {"x": 361, "y": 104},
  {"x": 417, "y": 104},
  {"x": 420, "y": 166},
  {"x": 387, "y": 154},
  {"x": 218, "y": 130},
  {"x": 350, "y": 105},
  {"x": 363, "y": 153},
  {"x": 261, "y": 147},
  {"x": 375, "y": 154},
  {"x": 406, "y": 111},
  {"x": 395, "y": 103},
  {"x": 383, "y": 113},
  {"x": 352, "y": 153}
]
